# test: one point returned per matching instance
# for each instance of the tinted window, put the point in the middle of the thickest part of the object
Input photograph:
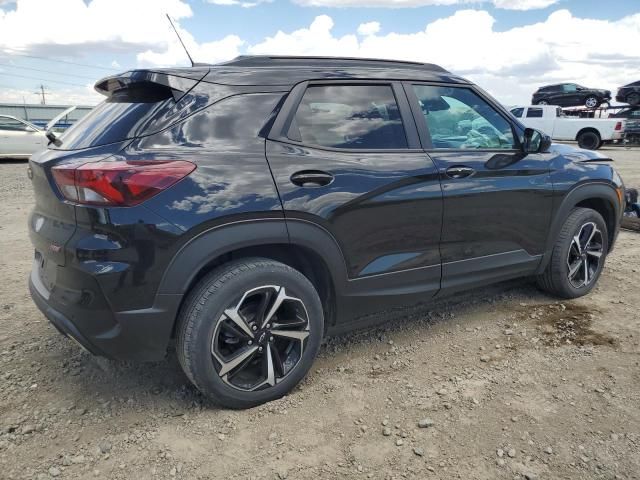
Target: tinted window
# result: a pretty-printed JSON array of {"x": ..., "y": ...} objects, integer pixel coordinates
[
  {"x": 118, "y": 118},
  {"x": 517, "y": 112},
  {"x": 230, "y": 124},
  {"x": 459, "y": 118},
  {"x": 534, "y": 113},
  {"x": 349, "y": 116},
  {"x": 569, "y": 88},
  {"x": 10, "y": 124}
]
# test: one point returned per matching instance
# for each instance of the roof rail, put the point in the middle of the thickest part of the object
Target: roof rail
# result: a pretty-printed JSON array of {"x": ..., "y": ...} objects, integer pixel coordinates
[{"x": 282, "y": 60}]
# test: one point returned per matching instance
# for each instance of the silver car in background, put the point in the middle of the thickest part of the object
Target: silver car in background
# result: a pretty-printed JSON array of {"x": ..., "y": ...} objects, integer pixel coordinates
[{"x": 19, "y": 138}]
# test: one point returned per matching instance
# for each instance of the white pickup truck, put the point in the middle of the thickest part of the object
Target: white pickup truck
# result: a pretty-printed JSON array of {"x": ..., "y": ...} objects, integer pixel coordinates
[{"x": 590, "y": 133}]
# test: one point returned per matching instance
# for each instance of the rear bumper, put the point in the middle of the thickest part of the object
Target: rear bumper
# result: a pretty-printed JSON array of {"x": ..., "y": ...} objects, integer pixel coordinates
[{"x": 136, "y": 335}]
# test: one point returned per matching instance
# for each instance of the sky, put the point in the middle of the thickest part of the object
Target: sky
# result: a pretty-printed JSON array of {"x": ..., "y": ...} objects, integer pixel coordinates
[{"x": 508, "y": 47}]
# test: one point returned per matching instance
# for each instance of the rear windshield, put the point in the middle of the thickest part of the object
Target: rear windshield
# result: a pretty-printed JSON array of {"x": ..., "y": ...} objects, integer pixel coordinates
[{"x": 120, "y": 117}]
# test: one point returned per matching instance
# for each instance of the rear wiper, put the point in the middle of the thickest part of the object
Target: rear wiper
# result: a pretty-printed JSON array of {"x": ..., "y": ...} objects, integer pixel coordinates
[{"x": 49, "y": 129}]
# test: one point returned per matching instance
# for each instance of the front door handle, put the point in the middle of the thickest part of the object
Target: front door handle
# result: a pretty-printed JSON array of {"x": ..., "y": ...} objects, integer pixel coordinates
[
  {"x": 459, "y": 171},
  {"x": 311, "y": 178}
]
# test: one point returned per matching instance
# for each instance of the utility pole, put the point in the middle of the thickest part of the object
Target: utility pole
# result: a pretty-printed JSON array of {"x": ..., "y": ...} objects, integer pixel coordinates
[{"x": 42, "y": 93}]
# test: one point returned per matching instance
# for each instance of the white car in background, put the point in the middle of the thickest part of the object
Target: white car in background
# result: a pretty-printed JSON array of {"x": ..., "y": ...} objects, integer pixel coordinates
[
  {"x": 590, "y": 133},
  {"x": 19, "y": 138}
]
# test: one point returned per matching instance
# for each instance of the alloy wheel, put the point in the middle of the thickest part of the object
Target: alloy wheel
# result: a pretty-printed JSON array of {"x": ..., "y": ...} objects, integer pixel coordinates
[
  {"x": 585, "y": 254},
  {"x": 259, "y": 340},
  {"x": 591, "y": 102}
]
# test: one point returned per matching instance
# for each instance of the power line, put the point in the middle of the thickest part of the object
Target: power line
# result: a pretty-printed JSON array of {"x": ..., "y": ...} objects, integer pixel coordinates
[
  {"x": 41, "y": 79},
  {"x": 87, "y": 65},
  {"x": 46, "y": 71}
]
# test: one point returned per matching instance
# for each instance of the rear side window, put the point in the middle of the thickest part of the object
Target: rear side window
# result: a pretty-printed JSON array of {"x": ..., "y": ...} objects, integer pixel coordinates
[
  {"x": 517, "y": 112},
  {"x": 350, "y": 117},
  {"x": 534, "y": 113}
]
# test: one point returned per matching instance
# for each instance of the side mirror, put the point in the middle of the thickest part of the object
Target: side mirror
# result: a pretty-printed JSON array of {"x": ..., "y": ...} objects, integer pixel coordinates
[{"x": 535, "y": 141}]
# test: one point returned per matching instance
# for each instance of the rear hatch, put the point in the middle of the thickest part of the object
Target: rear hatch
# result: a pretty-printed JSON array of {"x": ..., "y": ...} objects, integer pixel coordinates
[{"x": 138, "y": 103}]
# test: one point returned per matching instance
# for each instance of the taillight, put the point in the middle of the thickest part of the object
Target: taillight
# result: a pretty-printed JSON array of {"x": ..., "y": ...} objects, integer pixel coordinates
[
  {"x": 119, "y": 183},
  {"x": 618, "y": 126}
]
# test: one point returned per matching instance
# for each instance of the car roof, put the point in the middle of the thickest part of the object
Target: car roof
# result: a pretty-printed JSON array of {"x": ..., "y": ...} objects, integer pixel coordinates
[{"x": 289, "y": 70}]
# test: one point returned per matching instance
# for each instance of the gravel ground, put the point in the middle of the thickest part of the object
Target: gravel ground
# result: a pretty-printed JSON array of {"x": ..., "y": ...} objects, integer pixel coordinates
[{"x": 506, "y": 383}]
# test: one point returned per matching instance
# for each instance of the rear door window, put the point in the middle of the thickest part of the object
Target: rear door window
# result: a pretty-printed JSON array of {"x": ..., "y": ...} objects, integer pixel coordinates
[
  {"x": 534, "y": 113},
  {"x": 349, "y": 117}
]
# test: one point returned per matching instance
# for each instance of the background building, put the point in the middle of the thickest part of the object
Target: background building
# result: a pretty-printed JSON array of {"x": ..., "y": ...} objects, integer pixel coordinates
[{"x": 40, "y": 115}]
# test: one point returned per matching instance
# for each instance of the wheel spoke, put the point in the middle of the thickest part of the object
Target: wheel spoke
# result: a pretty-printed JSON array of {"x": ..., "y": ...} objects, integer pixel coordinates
[
  {"x": 573, "y": 269},
  {"x": 594, "y": 230},
  {"x": 232, "y": 328},
  {"x": 575, "y": 243},
  {"x": 277, "y": 361},
  {"x": 295, "y": 334},
  {"x": 262, "y": 308},
  {"x": 274, "y": 308},
  {"x": 271, "y": 374},
  {"x": 586, "y": 271},
  {"x": 233, "y": 315},
  {"x": 236, "y": 361},
  {"x": 595, "y": 253}
]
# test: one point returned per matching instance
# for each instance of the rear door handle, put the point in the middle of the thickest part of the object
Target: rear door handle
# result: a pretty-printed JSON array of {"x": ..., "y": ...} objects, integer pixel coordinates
[
  {"x": 311, "y": 178},
  {"x": 459, "y": 171}
]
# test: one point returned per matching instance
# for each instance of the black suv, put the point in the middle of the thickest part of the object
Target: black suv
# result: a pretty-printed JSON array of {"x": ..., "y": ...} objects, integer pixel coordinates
[
  {"x": 570, "y": 95},
  {"x": 629, "y": 94},
  {"x": 247, "y": 209}
]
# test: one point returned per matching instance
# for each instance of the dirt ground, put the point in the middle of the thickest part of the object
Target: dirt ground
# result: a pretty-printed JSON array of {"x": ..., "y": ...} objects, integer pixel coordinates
[{"x": 508, "y": 383}]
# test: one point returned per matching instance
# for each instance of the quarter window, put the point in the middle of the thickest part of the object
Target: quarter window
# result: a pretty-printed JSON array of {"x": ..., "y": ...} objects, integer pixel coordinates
[
  {"x": 517, "y": 112},
  {"x": 349, "y": 116},
  {"x": 459, "y": 118}
]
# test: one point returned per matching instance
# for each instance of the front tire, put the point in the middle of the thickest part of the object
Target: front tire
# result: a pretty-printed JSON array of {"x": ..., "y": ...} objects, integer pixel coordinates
[
  {"x": 249, "y": 332},
  {"x": 578, "y": 255},
  {"x": 542, "y": 102}
]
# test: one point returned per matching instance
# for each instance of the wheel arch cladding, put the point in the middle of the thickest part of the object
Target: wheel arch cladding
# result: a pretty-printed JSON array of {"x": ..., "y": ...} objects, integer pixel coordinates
[
  {"x": 600, "y": 197},
  {"x": 311, "y": 250}
]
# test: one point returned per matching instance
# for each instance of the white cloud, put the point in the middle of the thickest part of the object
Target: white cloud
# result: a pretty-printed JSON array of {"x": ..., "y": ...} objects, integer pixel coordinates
[
  {"x": 511, "y": 64},
  {"x": 73, "y": 27},
  {"x": 369, "y": 28},
  {"x": 245, "y": 4},
  {"x": 506, "y": 4},
  {"x": 315, "y": 40}
]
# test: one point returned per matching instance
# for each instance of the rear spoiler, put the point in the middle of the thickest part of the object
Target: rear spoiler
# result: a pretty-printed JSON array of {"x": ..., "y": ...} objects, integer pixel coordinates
[{"x": 178, "y": 81}]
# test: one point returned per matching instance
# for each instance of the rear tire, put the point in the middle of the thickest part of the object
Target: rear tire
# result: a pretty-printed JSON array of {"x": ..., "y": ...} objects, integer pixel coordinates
[
  {"x": 591, "y": 101},
  {"x": 249, "y": 332},
  {"x": 589, "y": 140},
  {"x": 542, "y": 102},
  {"x": 578, "y": 255}
]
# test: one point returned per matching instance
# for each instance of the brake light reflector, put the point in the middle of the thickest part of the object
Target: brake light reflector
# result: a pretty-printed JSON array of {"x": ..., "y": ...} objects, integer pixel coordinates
[
  {"x": 119, "y": 183},
  {"x": 618, "y": 126}
]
